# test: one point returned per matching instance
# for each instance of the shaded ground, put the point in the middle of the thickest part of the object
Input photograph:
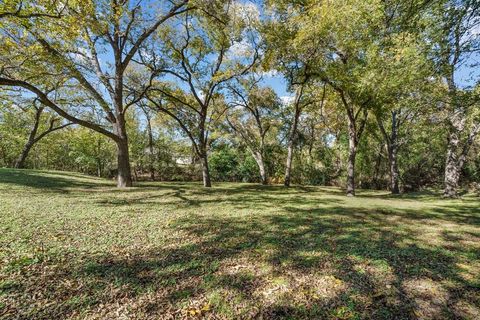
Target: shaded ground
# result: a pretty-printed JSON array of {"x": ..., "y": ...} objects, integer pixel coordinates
[{"x": 74, "y": 247}]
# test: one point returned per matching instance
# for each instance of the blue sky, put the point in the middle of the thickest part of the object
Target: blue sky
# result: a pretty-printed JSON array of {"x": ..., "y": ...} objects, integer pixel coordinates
[{"x": 466, "y": 75}]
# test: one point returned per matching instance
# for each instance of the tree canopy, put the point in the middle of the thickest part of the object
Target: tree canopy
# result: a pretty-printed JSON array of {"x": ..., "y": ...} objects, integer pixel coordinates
[{"x": 355, "y": 93}]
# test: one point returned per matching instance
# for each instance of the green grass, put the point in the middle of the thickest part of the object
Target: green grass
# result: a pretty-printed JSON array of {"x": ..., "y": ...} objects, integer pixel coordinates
[{"x": 75, "y": 247}]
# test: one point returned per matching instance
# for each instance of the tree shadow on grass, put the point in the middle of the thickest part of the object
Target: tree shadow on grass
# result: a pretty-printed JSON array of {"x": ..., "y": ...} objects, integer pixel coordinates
[
  {"x": 187, "y": 198},
  {"x": 308, "y": 258},
  {"x": 322, "y": 263},
  {"x": 49, "y": 181}
]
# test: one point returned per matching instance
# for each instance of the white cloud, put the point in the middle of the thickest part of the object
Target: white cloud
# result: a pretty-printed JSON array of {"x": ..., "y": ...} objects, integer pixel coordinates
[
  {"x": 247, "y": 11},
  {"x": 269, "y": 74},
  {"x": 287, "y": 99},
  {"x": 240, "y": 49}
]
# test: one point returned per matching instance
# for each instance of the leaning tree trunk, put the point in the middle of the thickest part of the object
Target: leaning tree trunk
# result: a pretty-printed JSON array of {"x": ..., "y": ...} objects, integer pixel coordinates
[
  {"x": 352, "y": 154},
  {"x": 124, "y": 175},
  {"x": 261, "y": 167},
  {"x": 20, "y": 163}
]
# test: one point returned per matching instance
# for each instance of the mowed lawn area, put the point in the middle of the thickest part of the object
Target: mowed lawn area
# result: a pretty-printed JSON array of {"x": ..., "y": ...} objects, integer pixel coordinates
[{"x": 75, "y": 247}]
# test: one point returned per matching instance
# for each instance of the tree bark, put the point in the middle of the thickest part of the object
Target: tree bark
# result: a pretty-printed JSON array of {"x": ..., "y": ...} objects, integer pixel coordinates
[
  {"x": 124, "y": 175},
  {"x": 394, "y": 174},
  {"x": 151, "y": 149},
  {"x": 261, "y": 167},
  {"x": 292, "y": 137},
  {"x": 392, "y": 147},
  {"x": 20, "y": 163},
  {"x": 352, "y": 154},
  {"x": 391, "y": 141},
  {"x": 356, "y": 125},
  {"x": 205, "y": 170},
  {"x": 288, "y": 167},
  {"x": 203, "y": 154},
  {"x": 99, "y": 159},
  {"x": 452, "y": 170},
  {"x": 457, "y": 152},
  {"x": 376, "y": 172}
]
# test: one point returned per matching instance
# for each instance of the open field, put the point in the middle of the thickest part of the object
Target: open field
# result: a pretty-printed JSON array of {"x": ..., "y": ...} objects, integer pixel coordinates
[{"x": 75, "y": 247}]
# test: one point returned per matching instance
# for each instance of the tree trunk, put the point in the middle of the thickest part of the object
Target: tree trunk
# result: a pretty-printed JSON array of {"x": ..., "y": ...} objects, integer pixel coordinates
[
  {"x": 376, "y": 172},
  {"x": 288, "y": 167},
  {"x": 261, "y": 167},
  {"x": 135, "y": 173},
  {"x": 392, "y": 156},
  {"x": 124, "y": 175},
  {"x": 391, "y": 141},
  {"x": 452, "y": 163},
  {"x": 291, "y": 140},
  {"x": 151, "y": 149},
  {"x": 352, "y": 154},
  {"x": 394, "y": 174},
  {"x": 452, "y": 171},
  {"x": 205, "y": 171},
  {"x": 20, "y": 163},
  {"x": 457, "y": 151},
  {"x": 98, "y": 158},
  {"x": 99, "y": 167}
]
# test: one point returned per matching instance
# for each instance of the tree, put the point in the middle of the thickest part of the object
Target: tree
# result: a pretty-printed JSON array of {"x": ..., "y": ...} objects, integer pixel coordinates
[
  {"x": 401, "y": 73},
  {"x": 251, "y": 117},
  {"x": 210, "y": 48},
  {"x": 300, "y": 101},
  {"x": 73, "y": 48},
  {"x": 454, "y": 41},
  {"x": 344, "y": 45},
  {"x": 151, "y": 149},
  {"x": 32, "y": 122},
  {"x": 323, "y": 40},
  {"x": 34, "y": 136},
  {"x": 294, "y": 64},
  {"x": 31, "y": 9}
]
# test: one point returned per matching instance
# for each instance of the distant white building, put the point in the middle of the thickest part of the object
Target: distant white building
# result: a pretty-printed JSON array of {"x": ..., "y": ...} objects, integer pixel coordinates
[{"x": 183, "y": 161}]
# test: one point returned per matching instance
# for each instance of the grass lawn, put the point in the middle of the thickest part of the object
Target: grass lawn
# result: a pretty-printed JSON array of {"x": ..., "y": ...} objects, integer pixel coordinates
[{"x": 75, "y": 247}]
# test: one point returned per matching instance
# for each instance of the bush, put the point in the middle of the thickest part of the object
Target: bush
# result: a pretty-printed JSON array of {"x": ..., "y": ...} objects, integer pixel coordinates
[{"x": 223, "y": 164}]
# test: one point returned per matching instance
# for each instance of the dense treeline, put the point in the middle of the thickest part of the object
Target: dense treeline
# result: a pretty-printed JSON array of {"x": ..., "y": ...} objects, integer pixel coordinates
[{"x": 379, "y": 94}]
